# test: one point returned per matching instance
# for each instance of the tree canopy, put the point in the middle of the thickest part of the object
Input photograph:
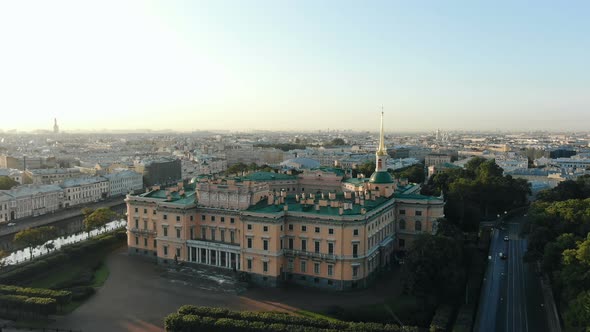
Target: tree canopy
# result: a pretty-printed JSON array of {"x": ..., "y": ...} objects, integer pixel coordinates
[
  {"x": 478, "y": 191},
  {"x": 98, "y": 218},
  {"x": 414, "y": 173},
  {"x": 7, "y": 183},
  {"x": 34, "y": 237}
]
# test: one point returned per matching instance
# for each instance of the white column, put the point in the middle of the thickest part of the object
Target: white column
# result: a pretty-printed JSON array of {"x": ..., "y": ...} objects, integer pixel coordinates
[
  {"x": 207, "y": 258},
  {"x": 190, "y": 253},
  {"x": 227, "y": 262},
  {"x": 217, "y": 258}
]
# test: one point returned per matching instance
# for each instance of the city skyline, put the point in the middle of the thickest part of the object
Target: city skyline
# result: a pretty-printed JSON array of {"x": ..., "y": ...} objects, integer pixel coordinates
[{"x": 299, "y": 67}]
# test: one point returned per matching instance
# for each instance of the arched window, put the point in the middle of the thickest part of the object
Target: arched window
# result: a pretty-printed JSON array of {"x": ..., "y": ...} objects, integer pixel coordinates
[
  {"x": 418, "y": 225},
  {"x": 402, "y": 224}
]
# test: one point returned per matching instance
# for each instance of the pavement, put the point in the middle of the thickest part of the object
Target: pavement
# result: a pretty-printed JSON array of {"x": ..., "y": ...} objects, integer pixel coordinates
[
  {"x": 512, "y": 298},
  {"x": 139, "y": 294}
]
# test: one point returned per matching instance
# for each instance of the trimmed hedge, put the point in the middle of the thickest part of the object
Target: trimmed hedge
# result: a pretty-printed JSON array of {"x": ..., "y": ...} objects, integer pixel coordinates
[
  {"x": 69, "y": 253},
  {"x": 21, "y": 303},
  {"x": 193, "y": 318},
  {"x": 62, "y": 297}
]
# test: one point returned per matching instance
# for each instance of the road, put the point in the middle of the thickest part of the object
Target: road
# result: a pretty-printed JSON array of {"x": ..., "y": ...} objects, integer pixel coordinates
[{"x": 511, "y": 298}]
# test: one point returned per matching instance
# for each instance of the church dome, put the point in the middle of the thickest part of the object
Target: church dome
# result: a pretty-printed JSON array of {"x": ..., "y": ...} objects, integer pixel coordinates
[{"x": 381, "y": 177}]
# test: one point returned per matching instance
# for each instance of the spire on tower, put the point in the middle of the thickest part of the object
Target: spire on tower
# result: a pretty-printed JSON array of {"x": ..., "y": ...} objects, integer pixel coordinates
[{"x": 381, "y": 151}]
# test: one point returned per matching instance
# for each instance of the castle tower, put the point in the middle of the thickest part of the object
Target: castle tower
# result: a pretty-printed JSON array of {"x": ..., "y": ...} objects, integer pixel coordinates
[{"x": 381, "y": 181}]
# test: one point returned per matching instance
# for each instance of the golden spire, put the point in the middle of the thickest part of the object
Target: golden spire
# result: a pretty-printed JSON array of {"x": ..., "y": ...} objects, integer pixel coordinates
[{"x": 381, "y": 151}]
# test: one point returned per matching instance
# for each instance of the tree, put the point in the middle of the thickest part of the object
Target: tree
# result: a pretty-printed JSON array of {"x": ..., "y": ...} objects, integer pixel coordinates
[
  {"x": 433, "y": 267},
  {"x": 7, "y": 183},
  {"x": 577, "y": 314},
  {"x": 3, "y": 254},
  {"x": 414, "y": 173},
  {"x": 98, "y": 218},
  {"x": 366, "y": 169},
  {"x": 34, "y": 237}
]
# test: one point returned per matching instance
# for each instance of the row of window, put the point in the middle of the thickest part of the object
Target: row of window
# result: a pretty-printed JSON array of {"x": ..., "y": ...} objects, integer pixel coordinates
[
  {"x": 221, "y": 219},
  {"x": 417, "y": 213},
  {"x": 417, "y": 225}
]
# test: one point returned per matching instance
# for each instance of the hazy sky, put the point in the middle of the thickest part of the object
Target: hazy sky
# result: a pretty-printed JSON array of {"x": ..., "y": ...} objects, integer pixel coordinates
[{"x": 295, "y": 64}]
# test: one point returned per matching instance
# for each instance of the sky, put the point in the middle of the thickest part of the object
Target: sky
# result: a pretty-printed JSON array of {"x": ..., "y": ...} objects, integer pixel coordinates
[{"x": 295, "y": 65}]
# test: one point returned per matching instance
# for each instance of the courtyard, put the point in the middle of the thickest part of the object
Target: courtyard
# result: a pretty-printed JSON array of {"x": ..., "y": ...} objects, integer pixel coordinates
[{"x": 138, "y": 295}]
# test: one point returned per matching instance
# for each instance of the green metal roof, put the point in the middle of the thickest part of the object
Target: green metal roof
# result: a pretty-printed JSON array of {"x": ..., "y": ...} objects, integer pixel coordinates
[
  {"x": 416, "y": 196},
  {"x": 381, "y": 177},
  {"x": 187, "y": 199},
  {"x": 356, "y": 181},
  {"x": 266, "y": 176},
  {"x": 294, "y": 206}
]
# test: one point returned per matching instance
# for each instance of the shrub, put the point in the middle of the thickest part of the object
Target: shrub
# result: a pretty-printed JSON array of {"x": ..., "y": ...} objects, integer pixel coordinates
[{"x": 62, "y": 297}]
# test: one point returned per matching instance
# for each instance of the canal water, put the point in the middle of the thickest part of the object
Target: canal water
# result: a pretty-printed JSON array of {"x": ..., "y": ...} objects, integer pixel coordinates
[{"x": 24, "y": 254}]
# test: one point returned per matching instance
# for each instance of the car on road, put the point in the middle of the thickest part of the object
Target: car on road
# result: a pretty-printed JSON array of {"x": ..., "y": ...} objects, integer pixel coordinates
[
  {"x": 503, "y": 255},
  {"x": 11, "y": 224},
  {"x": 506, "y": 238}
]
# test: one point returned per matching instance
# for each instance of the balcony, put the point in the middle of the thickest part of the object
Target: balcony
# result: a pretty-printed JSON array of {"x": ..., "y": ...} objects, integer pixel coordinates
[
  {"x": 142, "y": 231},
  {"x": 309, "y": 254}
]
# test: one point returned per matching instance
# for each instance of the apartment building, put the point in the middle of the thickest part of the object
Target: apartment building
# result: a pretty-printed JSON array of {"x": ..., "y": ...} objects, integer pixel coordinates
[
  {"x": 124, "y": 182},
  {"x": 84, "y": 190},
  {"x": 51, "y": 175},
  {"x": 29, "y": 200}
]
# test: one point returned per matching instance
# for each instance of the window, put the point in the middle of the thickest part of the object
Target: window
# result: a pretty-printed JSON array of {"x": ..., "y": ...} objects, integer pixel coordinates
[
  {"x": 291, "y": 243},
  {"x": 177, "y": 218},
  {"x": 178, "y": 252},
  {"x": 154, "y": 212},
  {"x": 136, "y": 224},
  {"x": 165, "y": 228},
  {"x": 316, "y": 268},
  {"x": 402, "y": 224},
  {"x": 330, "y": 248},
  {"x": 222, "y": 235},
  {"x": 203, "y": 217},
  {"x": 232, "y": 236},
  {"x": 249, "y": 227},
  {"x": 317, "y": 247},
  {"x": 165, "y": 250},
  {"x": 355, "y": 232},
  {"x": 178, "y": 233},
  {"x": 264, "y": 266},
  {"x": 303, "y": 266},
  {"x": 203, "y": 233},
  {"x": 355, "y": 250},
  {"x": 136, "y": 241},
  {"x": 303, "y": 245},
  {"x": 317, "y": 229},
  {"x": 249, "y": 264},
  {"x": 192, "y": 230},
  {"x": 290, "y": 264},
  {"x": 290, "y": 227},
  {"x": 232, "y": 220},
  {"x": 222, "y": 219},
  {"x": 264, "y": 244},
  {"x": 145, "y": 242},
  {"x": 304, "y": 228},
  {"x": 402, "y": 243},
  {"x": 355, "y": 271},
  {"x": 191, "y": 218},
  {"x": 212, "y": 218},
  {"x": 212, "y": 234},
  {"x": 330, "y": 270},
  {"x": 265, "y": 228},
  {"x": 144, "y": 210},
  {"x": 402, "y": 212},
  {"x": 331, "y": 231},
  {"x": 249, "y": 242},
  {"x": 165, "y": 217},
  {"x": 155, "y": 244},
  {"x": 418, "y": 213},
  {"x": 136, "y": 210},
  {"x": 418, "y": 225}
]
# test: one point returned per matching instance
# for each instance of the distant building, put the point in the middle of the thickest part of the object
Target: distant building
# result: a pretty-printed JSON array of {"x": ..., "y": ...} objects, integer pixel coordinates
[
  {"x": 434, "y": 159},
  {"x": 124, "y": 182},
  {"x": 24, "y": 162},
  {"x": 84, "y": 190},
  {"x": 29, "y": 200},
  {"x": 12, "y": 173},
  {"x": 51, "y": 175},
  {"x": 560, "y": 153},
  {"x": 301, "y": 163},
  {"x": 55, "y": 127},
  {"x": 162, "y": 171}
]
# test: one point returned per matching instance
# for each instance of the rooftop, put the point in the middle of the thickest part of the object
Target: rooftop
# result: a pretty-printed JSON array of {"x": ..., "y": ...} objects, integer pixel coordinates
[
  {"x": 265, "y": 176},
  {"x": 82, "y": 181},
  {"x": 187, "y": 198},
  {"x": 28, "y": 190},
  {"x": 50, "y": 171}
]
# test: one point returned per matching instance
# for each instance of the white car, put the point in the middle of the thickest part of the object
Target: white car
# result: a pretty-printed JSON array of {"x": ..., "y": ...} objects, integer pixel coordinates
[
  {"x": 11, "y": 224},
  {"x": 506, "y": 238}
]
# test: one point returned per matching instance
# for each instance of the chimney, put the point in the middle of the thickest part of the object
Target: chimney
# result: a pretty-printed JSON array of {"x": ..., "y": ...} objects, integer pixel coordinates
[
  {"x": 332, "y": 195},
  {"x": 363, "y": 211},
  {"x": 297, "y": 198},
  {"x": 317, "y": 207},
  {"x": 323, "y": 196},
  {"x": 271, "y": 199}
]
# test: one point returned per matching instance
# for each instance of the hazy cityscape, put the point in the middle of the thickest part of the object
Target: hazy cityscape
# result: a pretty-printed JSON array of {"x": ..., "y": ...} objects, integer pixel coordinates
[{"x": 294, "y": 166}]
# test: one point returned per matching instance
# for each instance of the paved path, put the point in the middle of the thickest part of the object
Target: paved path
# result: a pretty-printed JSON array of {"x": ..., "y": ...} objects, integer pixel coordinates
[{"x": 138, "y": 295}]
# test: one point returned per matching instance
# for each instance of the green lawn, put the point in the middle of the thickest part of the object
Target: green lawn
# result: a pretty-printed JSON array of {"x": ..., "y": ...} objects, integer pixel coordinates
[{"x": 315, "y": 315}]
